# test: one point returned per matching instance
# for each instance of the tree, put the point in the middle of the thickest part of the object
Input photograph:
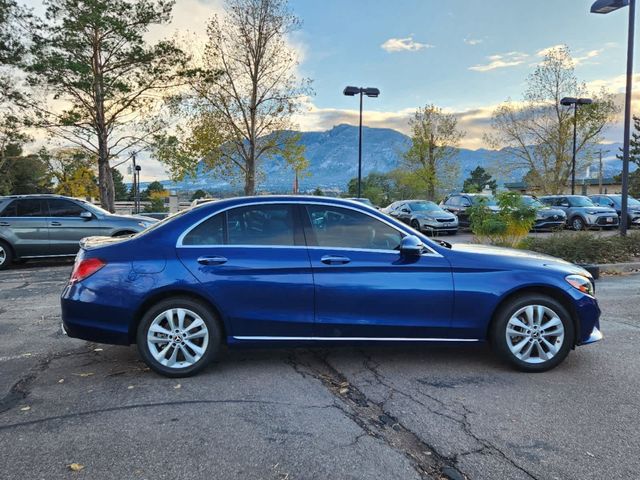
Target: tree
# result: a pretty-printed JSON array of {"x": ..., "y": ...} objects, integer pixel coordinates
[
  {"x": 239, "y": 109},
  {"x": 538, "y": 134},
  {"x": 294, "y": 157},
  {"x": 375, "y": 186},
  {"x": 434, "y": 140},
  {"x": 11, "y": 46},
  {"x": 120, "y": 190},
  {"x": 634, "y": 143},
  {"x": 199, "y": 194},
  {"x": 22, "y": 175},
  {"x": 91, "y": 58},
  {"x": 477, "y": 180},
  {"x": 72, "y": 170},
  {"x": 154, "y": 187},
  {"x": 318, "y": 192}
]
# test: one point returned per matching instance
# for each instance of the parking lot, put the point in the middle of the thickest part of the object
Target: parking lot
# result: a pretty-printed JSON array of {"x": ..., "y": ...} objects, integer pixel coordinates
[{"x": 370, "y": 412}]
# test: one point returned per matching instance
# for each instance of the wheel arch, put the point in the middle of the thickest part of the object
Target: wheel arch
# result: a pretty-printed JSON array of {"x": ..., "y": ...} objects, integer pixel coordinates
[
  {"x": 555, "y": 293},
  {"x": 165, "y": 294},
  {"x": 6, "y": 242}
]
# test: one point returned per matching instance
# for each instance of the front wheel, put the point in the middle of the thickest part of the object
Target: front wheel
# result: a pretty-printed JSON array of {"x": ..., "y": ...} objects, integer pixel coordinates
[
  {"x": 577, "y": 223},
  {"x": 415, "y": 225},
  {"x": 178, "y": 337},
  {"x": 533, "y": 333}
]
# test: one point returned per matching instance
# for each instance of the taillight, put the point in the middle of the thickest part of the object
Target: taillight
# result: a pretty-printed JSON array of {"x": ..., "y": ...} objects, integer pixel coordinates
[{"x": 84, "y": 268}]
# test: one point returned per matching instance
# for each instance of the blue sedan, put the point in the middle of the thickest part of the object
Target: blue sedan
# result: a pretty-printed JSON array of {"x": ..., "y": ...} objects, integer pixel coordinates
[{"x": 311, "y": 270}]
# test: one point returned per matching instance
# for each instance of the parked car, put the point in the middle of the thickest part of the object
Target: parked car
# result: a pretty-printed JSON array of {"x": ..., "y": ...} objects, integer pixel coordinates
[
  {"x": 581, "y": 211},
  {"x": 547, "y": 218},
  {"x": 459, "y": 203},
  {"x": 424, "y": 216},
  {"x": 615, "y": 202},
  {"x": 33, "y": 226},
  {"x": 363, "y": 200},
  {"x": 295, "y": 270}
]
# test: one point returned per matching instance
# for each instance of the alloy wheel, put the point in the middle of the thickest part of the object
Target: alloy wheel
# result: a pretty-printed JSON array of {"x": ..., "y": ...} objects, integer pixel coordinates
[
  {"x": 177, "y": 338},
  {"x": 3, "y": 255},
  {"x": 535, "y": 334}
]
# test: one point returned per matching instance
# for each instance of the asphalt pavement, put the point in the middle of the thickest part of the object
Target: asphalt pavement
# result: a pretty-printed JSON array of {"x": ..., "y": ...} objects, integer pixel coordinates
[{"x": 343, "y": 413}]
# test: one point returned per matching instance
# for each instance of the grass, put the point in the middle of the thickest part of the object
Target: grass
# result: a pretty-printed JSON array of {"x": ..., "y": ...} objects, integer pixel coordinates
[{"x": 586, "y": 247}]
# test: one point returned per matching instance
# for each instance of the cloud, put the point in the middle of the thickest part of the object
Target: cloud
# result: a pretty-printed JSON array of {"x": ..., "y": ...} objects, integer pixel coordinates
[
  {"x": 545, "y": 51},
  {"x": 505, "y": 60},
  {"x": 404, "y": 45},
  {"x": 472, "y": 41}
]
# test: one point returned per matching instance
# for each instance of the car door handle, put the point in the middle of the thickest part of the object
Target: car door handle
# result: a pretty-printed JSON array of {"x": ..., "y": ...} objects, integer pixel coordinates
[
  {"x": 334, "y": 260},
  {"x": 56, "y": 224},
  {"x": 5, "y": 224},
  {"x": 214, "y": 260}
]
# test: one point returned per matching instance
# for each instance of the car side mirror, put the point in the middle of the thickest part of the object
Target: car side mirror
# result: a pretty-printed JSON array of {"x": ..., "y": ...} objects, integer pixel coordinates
[
  {"x": 405, "y": 210},
  {"x": 411, "y": 246},
  {"x": 86, "y": 215}
]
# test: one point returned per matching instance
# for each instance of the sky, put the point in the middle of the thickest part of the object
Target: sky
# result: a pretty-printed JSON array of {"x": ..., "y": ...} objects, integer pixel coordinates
[{"x": 465, "y": 56}]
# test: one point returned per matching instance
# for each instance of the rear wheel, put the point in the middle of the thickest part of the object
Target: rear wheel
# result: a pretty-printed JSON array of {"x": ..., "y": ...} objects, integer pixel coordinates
[
  {"x": 178, "y": 337},
  {"x": 533, "y": 333},
  {"x": 6, "y": 255}
]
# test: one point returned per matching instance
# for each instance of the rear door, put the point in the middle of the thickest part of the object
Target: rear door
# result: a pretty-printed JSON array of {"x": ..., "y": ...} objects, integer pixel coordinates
[
  {"x": 24, "y": 224},
  {"x": 67, "y": 227},
  {"x": 253, "y": 263}
]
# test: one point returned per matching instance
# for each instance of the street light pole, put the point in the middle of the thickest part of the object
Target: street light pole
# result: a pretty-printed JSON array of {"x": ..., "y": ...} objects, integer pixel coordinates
[
  {"x": 369, "y": 92},
  {"x": 607, "y": 6},
  {"x": 567, "y": 101},
  {"x": 627, "y": 122},
  {"x": 360, "y": 151},
  {"x": 573, "y": 158}
]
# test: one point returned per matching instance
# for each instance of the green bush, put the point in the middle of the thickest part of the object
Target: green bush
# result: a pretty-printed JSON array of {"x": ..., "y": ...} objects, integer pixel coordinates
[
  {"x": 585, "y": 247},
  {"x": 507, "y": 227}
]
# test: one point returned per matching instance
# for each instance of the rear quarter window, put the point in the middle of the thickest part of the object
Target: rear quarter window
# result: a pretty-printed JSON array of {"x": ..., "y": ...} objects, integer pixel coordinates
[{"x": 8, "y": 209}]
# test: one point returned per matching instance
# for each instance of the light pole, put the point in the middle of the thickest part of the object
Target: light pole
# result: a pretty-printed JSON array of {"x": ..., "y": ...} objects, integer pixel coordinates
[
  {"x": 369, "y": 92},
  {"x": 606, "y": 6},
  {"x": 568, "y": 101}
]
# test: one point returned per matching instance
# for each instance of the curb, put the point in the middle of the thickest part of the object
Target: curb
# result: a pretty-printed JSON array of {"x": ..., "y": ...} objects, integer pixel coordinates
[{"x": 619, "y": 267}]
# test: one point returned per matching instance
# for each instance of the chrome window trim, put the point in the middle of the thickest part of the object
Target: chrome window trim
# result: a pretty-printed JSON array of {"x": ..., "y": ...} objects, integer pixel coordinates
[
  {"x": 276, "y": 202},
  {"x": 359, "y": 339}
]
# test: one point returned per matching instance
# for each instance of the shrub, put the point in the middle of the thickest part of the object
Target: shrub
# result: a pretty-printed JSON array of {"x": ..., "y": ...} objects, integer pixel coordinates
[
  {"x": 585, "y": 247},
  {"x": 507, "y": 227}
]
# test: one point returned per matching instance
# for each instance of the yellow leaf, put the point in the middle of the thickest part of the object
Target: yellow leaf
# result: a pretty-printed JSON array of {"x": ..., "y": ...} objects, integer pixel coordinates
[
  {"x": 130, "y": 387},
  {"x": 76, "y": 467},
  {"x": 26, "y": 409},
  {"x": 343, "y": 391},
  {"x": 177, "y": 386},
  {"x": 88, "y": 374},
  {"x": 61, "y": 380}
]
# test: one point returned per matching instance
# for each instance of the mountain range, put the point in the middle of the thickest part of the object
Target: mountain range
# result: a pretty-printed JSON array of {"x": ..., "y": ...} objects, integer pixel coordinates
[{"x": 333, "y": 161}]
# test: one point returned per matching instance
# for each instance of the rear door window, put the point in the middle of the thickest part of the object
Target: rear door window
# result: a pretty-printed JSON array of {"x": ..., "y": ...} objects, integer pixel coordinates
[
  {"x": 261, "y": 225},
  {"x": 30, "y": 207}
]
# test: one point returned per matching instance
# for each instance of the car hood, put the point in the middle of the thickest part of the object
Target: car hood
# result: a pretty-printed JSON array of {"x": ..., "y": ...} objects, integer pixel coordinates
[
  {"x": 599, "y": 210},
  {"x": 523, "y": 258},
  {"x": 132, "y": 218},
  {"x": 442, "y": 215}
]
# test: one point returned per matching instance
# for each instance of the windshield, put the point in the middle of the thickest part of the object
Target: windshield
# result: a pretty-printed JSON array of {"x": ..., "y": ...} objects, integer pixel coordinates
[
  {"x": 630, "y": 200},
  {"x": 487, "y": 200},
  {"x": 424, "y": 207},
  {"x": 532, "y": 202},
  {"x": 580, "y": 202},
  {"x": 94, "y": 208}
]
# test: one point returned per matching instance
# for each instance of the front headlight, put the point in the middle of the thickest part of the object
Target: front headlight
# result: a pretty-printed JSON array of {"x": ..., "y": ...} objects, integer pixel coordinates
[{"x": 584, "y": 284}]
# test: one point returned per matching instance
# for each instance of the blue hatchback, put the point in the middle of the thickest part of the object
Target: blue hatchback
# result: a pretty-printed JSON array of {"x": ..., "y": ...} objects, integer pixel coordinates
[{"x": 313, "y": 270}]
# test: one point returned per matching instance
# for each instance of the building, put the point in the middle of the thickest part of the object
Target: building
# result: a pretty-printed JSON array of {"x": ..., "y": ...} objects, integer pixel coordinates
[{"x": 584, "y": 186}]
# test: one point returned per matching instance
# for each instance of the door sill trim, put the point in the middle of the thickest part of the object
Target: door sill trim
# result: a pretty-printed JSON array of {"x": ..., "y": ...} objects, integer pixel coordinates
[{"x": 357, "y": 339}]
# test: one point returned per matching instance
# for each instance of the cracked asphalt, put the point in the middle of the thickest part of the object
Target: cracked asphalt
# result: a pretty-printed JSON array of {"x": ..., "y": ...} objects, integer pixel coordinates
[{"x": 344, "y": 413}]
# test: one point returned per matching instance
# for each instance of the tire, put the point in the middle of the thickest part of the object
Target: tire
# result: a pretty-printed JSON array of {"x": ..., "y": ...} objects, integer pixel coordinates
[
  {"x": 6, "y": 255},
  {"x": 513, "y": 348},
  {"x": 577, "y": 223},
  {"x": 415, "y": 225},
  {"x": 177, "y": 349}
]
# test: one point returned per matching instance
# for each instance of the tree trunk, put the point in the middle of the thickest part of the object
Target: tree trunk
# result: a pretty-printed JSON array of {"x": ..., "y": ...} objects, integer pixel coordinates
[
  {"x": 105, "y": 178},
  {"x": 250, "y": 178}
]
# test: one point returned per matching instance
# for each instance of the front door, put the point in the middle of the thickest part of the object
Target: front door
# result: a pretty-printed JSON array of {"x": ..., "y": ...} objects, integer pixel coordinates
[
  {"x": 364, "y": 288},
  {"x": 254, "y": 265},
  {"x": 67, "y": 227}
]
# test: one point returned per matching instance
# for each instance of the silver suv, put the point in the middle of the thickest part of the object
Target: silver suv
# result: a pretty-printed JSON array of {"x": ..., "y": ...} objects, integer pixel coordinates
[
  {"x": 581, "y": 211},
  {"x": 33, "y": 226}
]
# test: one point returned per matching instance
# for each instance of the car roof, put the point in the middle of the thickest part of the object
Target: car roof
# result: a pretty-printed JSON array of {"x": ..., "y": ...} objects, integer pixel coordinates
[{"x": 38, "y": 195}]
